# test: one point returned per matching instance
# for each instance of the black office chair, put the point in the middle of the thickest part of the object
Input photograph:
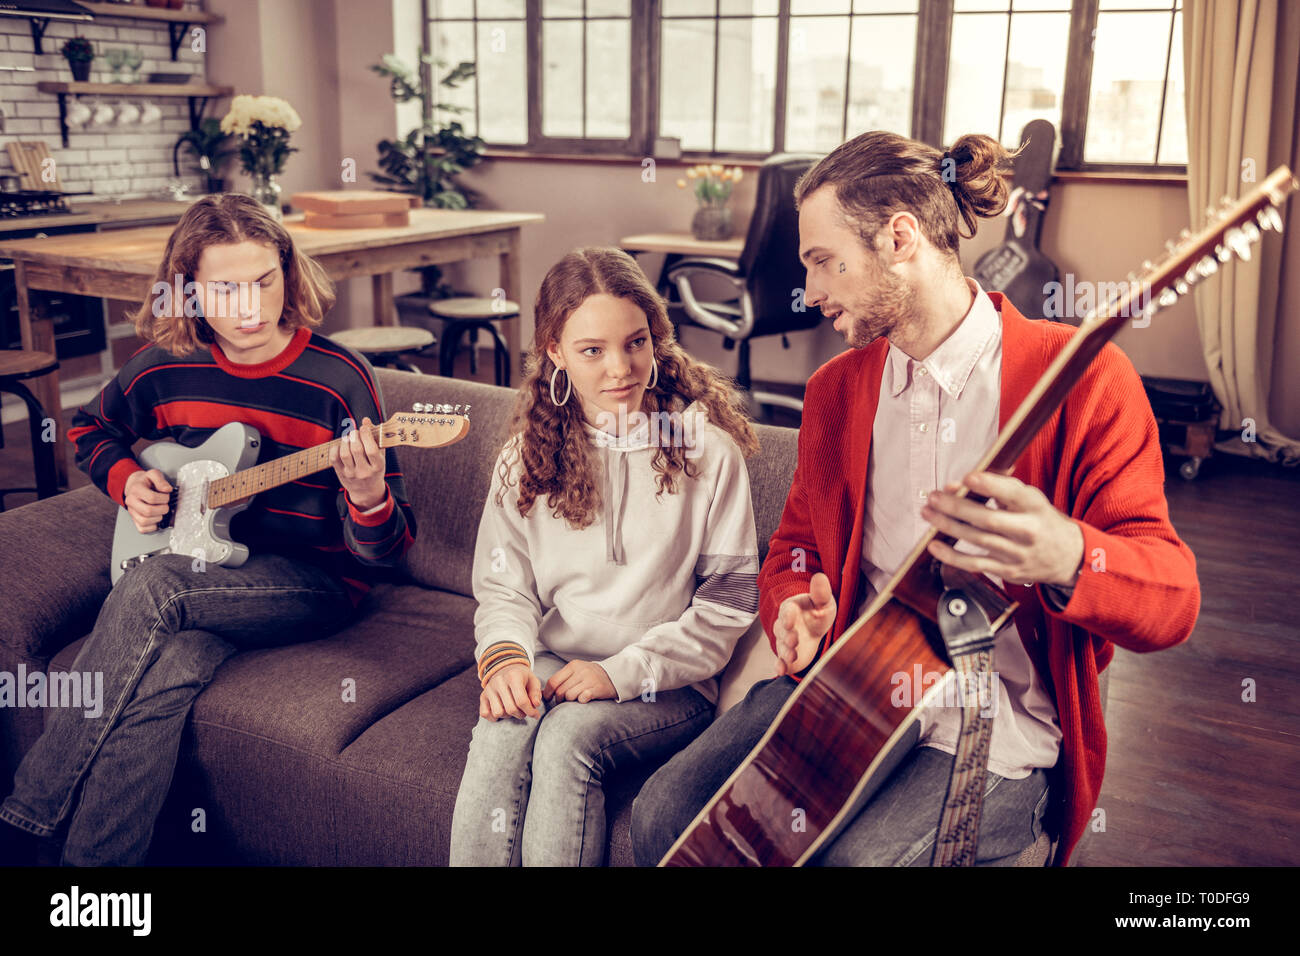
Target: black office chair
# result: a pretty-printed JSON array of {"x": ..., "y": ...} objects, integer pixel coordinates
[{"x": 766, "y": 277}]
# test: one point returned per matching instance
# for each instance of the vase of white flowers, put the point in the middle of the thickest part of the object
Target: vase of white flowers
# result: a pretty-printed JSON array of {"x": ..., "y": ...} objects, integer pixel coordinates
[{"x": 263, "y": 125}]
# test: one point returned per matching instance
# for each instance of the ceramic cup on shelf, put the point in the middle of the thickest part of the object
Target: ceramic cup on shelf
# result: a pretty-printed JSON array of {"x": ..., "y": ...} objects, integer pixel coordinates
[
  {"x": 150, "y": 112},
  {"x": 128, "y": 114},
  {"x": 78, "y": 113},
  {"x": 103, "y": 115}
]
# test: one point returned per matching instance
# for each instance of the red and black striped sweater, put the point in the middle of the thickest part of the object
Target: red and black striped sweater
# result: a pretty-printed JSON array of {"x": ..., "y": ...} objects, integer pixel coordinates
[{"x": 301, "y": 398}]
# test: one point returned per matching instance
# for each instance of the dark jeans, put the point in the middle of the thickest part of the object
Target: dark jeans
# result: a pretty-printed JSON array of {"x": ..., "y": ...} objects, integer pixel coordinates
[
  {"x": 162, "y": 632},
  {"x": 895, "y": 828}
]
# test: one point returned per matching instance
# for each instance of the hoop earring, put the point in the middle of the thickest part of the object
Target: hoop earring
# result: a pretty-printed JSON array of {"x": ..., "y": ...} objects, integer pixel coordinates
[
  {"x": 568, "y": 387},
  {"x": 654, "y": 374}
]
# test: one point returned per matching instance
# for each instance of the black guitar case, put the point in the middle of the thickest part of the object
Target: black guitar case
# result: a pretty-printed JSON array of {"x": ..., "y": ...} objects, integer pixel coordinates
[{"x": 1017, "y": 267}]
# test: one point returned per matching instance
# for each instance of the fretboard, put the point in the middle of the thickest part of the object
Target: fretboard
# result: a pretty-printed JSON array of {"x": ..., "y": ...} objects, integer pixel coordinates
[{"x": 272, "y": 474}]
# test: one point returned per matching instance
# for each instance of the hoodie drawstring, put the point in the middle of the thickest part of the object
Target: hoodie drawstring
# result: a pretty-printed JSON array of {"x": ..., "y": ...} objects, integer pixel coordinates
[{"x": 615, "y": 498}]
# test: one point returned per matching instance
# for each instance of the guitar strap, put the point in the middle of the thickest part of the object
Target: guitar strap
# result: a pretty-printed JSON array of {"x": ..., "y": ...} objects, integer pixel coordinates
[{"x": 968, "y": 636}]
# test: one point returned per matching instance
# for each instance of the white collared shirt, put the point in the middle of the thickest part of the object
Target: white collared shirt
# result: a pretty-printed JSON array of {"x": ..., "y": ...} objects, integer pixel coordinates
[{"x": 935, "y": 419}]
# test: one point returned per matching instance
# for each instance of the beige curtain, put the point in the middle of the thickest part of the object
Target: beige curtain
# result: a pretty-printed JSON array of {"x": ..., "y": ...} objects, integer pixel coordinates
[{"x": 1242, "y": 62}]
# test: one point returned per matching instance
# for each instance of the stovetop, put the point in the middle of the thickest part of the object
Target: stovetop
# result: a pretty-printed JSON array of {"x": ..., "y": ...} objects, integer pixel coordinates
[{"x": 35, "y": 202}]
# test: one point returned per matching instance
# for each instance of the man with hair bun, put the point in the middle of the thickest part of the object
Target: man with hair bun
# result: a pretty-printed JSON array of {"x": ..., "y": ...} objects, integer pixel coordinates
[{"x": 892, "y": 428}]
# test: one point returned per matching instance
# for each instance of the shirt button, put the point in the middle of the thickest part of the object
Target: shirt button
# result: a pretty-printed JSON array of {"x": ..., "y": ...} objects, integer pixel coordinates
[
  {"x": 923, "y": 427},
  {"x": 922, "y": 495},
  {"x": 922, "y": 371}
]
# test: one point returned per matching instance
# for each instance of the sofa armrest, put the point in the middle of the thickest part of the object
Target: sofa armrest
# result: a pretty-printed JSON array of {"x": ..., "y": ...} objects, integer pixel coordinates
[{"x": 54, "y": 557}]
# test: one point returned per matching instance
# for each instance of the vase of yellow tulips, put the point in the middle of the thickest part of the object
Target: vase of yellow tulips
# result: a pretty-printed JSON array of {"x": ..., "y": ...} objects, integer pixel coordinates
[{"x": 713, "y": 185}]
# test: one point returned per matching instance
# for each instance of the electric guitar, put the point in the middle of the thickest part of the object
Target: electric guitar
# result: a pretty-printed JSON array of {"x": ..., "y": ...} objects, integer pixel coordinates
[
  {"x": 839, "y": 734},
  {"x": 214, "y": 481}
]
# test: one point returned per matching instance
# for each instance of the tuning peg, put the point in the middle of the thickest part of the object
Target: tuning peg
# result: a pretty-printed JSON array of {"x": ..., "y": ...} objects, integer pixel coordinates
[
  {"x": 1147, "y": 265},
  {"x": 1222, "y": 252},
  {"x": 1225, "y": 201},
  {"x": 1251, "y": 230},
  {"x": 1270, "y": 218},
  {"x": 1207, "y": 266},
  {"x": 1184, "y": 235},
  {"x": 1181, "y": 286},
  {"x": 1167, "y": 297},
  {"x": 1238, "y": 243}
]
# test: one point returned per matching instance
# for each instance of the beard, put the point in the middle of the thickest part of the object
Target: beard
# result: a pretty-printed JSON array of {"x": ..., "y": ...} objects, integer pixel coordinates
[{"x": 889, "y": 305}]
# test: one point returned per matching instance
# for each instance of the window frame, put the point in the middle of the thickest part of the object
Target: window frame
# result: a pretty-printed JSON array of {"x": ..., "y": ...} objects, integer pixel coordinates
[{"x": 930, "y": 84}]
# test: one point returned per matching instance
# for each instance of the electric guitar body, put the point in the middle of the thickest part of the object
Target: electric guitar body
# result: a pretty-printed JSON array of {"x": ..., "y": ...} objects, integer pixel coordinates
[{"x": 214, "y": 481}]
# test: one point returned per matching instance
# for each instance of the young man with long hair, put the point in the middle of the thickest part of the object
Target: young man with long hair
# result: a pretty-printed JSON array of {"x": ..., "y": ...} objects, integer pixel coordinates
[{"x": 231, "y": 324}]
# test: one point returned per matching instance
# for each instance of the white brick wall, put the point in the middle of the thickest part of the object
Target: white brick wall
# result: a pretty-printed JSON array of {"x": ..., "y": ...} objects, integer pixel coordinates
[{"x": 112, "y": 161}]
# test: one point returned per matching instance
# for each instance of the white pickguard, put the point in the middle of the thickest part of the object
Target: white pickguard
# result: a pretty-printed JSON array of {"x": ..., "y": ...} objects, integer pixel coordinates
[{"x": 191, "y": 531}]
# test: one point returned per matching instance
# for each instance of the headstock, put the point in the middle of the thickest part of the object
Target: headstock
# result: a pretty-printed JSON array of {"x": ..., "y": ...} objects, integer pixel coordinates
[
  {"x": 1196, "y": 255},
  {"x": 426, "y": 426}
]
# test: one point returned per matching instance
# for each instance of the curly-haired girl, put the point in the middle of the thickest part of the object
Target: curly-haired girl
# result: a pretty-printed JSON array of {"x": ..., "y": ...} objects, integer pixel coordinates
[{"x": 615, "y": 567}]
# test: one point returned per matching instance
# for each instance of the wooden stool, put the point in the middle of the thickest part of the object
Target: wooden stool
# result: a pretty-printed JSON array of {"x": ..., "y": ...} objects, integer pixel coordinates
[
  {"x": 385, "y": 344},
  {"x": 470, "y": 314},
  {"x": 16, "y": 365}
]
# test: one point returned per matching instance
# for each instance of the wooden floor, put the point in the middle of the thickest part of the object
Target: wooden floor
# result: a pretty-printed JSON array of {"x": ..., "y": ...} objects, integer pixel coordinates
[{"x": 1194, "y": 774}]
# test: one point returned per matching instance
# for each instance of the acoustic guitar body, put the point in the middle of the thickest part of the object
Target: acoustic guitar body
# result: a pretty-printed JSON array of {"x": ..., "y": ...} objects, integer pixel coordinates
[{"x": 814, "y": 770}]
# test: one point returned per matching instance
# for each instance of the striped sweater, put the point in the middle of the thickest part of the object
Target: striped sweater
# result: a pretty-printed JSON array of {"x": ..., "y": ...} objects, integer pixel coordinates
[
  {"x": 1097, "y": 459},
  {"x": 302, "y": 397}
]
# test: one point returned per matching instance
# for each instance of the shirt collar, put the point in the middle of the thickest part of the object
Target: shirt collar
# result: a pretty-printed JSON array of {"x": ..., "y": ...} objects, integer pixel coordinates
[{"x": 952, "y": 362}]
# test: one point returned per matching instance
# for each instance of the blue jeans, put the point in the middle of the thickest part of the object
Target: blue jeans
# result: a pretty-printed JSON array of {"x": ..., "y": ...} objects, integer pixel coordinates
[
  {"x": 896, "y": 827},
  {"x": 162, "y": 632},
  {"x": 531, "y": 791}
]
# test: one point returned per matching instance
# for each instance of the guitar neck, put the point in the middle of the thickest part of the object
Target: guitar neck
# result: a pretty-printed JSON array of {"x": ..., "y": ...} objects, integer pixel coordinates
[{"x": 281, "y": 471}]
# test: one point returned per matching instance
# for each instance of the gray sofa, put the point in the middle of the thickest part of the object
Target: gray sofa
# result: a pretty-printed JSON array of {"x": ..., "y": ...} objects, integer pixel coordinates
[{"x": 284, "y": 770}]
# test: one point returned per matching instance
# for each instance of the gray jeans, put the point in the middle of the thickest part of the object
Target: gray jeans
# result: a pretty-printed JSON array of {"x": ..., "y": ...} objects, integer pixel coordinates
[
  {"x": 895, "y": 828},
  {"x": 162, "y": 632},
  {"x": 532, "y": 793}
]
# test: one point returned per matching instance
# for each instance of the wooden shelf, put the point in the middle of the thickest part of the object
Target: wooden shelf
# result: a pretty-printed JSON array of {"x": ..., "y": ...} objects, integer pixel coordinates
[
  {"x": 198, "y": 94},
  {"x": 135, "y": 89},
  {"x": 141, "y": 12}
]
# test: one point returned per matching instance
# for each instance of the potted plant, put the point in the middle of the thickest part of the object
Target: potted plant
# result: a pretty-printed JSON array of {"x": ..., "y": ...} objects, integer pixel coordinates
[
  {"x": 426, "y": 161},
  {"x": 208, "y": 144},
  {"x": 263, "y": 125},
  {"x": 78, "y": 52},
  {"x": 713, "y": 185}
]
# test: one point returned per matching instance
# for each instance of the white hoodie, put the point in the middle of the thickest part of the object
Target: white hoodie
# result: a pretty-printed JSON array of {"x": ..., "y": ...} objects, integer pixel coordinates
[{"x": 656, "y": 590}]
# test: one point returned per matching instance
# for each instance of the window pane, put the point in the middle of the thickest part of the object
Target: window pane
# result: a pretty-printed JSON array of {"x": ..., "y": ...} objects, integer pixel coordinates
[
  {"x": 1035, "y": 73},
  {"x": 1128, "y": 77},
  {"x": 979, "y": 43},
  {"x": 511, "y": 9},
  {"x": 609, "y": 73},
  {"x": 607, "y": 8},
  {"x": 880, "y": 77},
  {"x": 450, "y": 8},
  {"x": 687, "y": 8},
  {"x": 454, "y": 43},
  {"x": 1019, "y": 5},
  {"x": 748, "y": 7},
  {"x": 884, "y": 6},
  {"x": 1173, "y": 132},
  {"x": 561, "y": 8},
  {"x": 964, "y": 6},
  {"x": 815, "y": 93},
  {"x": 819, "y": 6},
  {"x": 746, "y": 84},
  {"x": 686, "y": 82},
  {"x": 504, "y": 98},
  {"x": 562, "y": 78}
]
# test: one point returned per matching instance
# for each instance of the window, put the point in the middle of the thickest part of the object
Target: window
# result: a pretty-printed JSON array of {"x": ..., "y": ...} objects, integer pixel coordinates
[{"x": 746, "y": 78}]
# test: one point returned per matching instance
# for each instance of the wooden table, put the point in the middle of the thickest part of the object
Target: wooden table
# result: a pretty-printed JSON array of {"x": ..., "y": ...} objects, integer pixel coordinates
[{"x": 121, "y": 265}]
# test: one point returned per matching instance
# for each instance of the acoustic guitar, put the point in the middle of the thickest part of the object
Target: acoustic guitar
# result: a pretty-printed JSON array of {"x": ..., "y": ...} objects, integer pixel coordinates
[
  {"x": 839, "y": 735},
  {"x": 214, "y": 481}
]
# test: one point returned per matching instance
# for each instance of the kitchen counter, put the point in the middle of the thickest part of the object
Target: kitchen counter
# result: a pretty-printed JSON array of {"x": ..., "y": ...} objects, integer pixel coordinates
[{"x": 102, "y": 211}]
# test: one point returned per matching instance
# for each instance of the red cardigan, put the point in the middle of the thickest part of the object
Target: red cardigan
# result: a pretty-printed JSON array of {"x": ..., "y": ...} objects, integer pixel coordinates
[{"x": 1097, "y": 459}]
